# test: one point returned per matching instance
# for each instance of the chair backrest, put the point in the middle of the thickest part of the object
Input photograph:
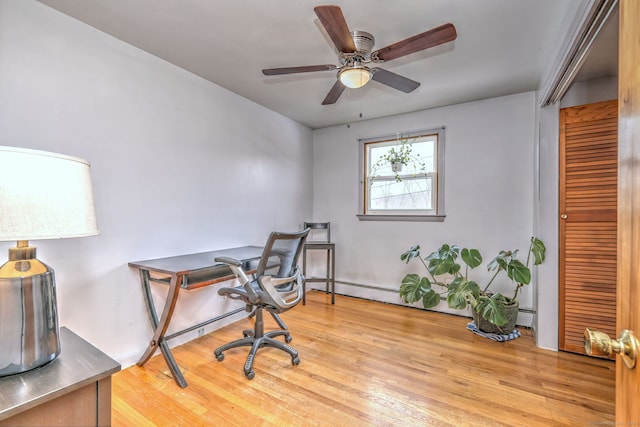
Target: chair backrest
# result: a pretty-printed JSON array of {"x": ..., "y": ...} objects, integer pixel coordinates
[
  {"x": 320, "y": 231},
  {"x": 281, "y": 290},
  {"x": 286, "y": 247}
]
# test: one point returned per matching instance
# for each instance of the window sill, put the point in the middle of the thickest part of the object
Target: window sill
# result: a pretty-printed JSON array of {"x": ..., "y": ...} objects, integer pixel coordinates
[{"x": 412, "y": 218}]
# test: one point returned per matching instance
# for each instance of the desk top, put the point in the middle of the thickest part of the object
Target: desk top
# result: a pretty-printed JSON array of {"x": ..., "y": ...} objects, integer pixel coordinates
[
  {"x": 186, "y": 264},
  {"x": 78, "y": 365}
]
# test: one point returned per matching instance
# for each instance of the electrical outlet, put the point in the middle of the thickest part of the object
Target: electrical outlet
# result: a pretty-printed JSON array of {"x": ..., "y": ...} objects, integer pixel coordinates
[{"x": 200, "y": 332}]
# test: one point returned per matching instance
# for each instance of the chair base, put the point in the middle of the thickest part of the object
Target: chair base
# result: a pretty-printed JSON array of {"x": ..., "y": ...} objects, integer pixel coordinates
[{"x": 256, "y": 339}]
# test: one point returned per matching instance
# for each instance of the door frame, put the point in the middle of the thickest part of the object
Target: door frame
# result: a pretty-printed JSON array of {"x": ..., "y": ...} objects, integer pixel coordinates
[{"x": 628, "y": 305}]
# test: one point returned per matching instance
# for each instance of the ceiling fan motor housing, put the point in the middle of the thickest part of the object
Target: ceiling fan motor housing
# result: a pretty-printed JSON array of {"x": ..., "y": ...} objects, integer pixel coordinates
[
  {"x": 364, "y": 41},
  {"x": 364, "y": 45}
]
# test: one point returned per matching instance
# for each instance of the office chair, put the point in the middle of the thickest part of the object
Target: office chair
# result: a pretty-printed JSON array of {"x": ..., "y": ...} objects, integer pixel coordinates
[{"x": 276, "y": 288}]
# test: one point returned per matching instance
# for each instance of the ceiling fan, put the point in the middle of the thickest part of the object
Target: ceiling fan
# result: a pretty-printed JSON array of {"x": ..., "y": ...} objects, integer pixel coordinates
[{"x": 354, "y": 49}]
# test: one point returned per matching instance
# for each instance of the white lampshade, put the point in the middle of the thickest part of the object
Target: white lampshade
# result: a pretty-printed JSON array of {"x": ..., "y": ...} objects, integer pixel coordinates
[
  {"x": 355, "y": 77},
  {"x": 44, "y": 196}
]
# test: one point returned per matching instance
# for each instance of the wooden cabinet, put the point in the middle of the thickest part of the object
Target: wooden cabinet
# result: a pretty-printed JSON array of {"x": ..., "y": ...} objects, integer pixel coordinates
[{"x": 72, "y": 390}]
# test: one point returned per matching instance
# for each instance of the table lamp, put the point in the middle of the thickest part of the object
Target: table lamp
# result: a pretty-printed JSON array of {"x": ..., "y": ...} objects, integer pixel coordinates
[{"x": 42, "y": 196}]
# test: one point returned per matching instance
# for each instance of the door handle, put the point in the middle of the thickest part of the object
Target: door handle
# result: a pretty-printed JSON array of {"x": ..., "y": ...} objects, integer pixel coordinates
[
  {"x": 563, "y": 216},
  {"x": 598, "y": 343}
]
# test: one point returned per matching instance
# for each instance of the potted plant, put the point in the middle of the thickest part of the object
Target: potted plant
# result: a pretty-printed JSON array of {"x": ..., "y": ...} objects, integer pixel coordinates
[
  {"x": 399, "y": 156},
  {"x": 492, "y": 312}
]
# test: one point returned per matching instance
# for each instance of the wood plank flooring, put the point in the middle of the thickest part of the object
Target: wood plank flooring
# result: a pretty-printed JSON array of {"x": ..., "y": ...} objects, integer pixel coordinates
[{"x": 366, "y": 363}]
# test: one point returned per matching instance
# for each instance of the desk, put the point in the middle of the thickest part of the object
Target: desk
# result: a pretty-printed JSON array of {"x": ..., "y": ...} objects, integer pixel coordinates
[
  {"x": 73, "y": 389},
  {"x": 188, "y": 272}
]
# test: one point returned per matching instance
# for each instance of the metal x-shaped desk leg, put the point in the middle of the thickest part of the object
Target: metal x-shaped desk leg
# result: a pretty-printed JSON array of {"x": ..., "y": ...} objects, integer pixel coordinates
[{"x": 160, "y": 325}]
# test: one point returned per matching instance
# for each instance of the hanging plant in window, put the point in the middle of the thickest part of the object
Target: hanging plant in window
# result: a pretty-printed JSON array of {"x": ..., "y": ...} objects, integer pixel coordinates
[{"x": 399, "y": 156}]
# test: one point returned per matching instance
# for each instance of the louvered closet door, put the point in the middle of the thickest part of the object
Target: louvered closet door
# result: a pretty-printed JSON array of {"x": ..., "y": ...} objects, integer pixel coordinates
[{"x": 588, "y": 201}]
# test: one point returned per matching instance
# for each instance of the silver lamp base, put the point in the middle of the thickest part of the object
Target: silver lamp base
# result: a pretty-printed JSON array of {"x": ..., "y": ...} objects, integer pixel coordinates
[{"x": 29, "y": 335}]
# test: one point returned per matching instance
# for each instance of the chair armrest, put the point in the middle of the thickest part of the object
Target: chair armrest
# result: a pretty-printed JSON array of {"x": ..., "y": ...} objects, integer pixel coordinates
[
  {"x": 277, "y": 281},
  {"x": 228, "y": 260},
  {"x": 283, "y": 299},
  {"x": 236, "y": 267},
  {"x": 234, "y": 293}
]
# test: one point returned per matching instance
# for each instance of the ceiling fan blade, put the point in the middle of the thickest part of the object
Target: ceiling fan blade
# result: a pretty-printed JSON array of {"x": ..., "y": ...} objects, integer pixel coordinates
[
  {"x": 334, "y": 93},
  {"x": 434, "y": 37},
  {"x": 293, "y": 70},
  {"x": 333, "y": 21},
  {"x": 394, "y": 80}
]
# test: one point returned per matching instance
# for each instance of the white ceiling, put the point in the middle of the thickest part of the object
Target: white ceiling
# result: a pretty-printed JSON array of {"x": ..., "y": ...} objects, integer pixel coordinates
[{"x": 503, "y": 47}]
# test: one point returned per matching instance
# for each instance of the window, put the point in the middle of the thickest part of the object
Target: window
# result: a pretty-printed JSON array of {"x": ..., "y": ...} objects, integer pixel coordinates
[{"x": 402, "y": 177}]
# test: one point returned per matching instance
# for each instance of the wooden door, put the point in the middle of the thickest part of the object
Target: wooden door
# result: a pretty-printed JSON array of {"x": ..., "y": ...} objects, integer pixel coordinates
[
  {"x": 628, "y": 307},
  {"x": 588, "y": 217}
]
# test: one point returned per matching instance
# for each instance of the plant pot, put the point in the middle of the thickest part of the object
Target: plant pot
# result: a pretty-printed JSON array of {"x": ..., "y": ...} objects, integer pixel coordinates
[
  {"x": 486, "y": 326},
  {"x": 396, "y": 167}
]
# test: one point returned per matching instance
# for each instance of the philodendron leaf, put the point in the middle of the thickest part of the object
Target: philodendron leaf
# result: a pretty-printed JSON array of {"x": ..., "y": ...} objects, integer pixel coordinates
[
  {"x": 471, "y": 257},
  {"x": 493, "y": 309},
  {"x": 413, "y": 288},
  {"x": 462, "y": 292},
  {"x": 500, "y": 261},
  {"x": 538, "y": 250},
  {"x": 454, "y": 268},
  {"x": 473, "y": 294},
  {"x": 439, "y": 266},
  {"x": 446, "y": 251},
  {"x": 414, "y": 252},
  {"x": 431, "y": 299},
  {"x": 518, "y": 272},
  {"x": 443, "y": 261},
  {"x": 449, "y": 252}
]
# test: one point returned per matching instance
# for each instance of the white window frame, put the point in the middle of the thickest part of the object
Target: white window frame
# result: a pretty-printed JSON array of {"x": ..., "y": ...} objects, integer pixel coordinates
[{"x": 437, "y": 214}]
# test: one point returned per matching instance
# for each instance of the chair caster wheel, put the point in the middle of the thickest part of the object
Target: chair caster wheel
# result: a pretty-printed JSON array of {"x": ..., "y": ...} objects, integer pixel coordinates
[
  {"x": 220, "y": 357},
  {"x": 295, "y": 361},
  {"x": 250, "y": 374},
  {"x": 287, "y": 338}
]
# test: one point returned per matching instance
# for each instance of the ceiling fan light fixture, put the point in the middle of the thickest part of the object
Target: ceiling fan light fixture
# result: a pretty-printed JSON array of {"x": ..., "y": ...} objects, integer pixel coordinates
[{"x": 355, "y": 77}]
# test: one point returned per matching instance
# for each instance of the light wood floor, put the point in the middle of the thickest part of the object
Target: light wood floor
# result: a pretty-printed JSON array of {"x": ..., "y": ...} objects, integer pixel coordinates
[{"x": 366, "y": 363}]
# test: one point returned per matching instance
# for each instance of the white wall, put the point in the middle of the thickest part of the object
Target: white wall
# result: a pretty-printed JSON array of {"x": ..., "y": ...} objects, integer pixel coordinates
[
  {"x": 488, "y": 192},
  {"x": 590, "y": 91},
  {"x": 547, "y": 212},
  {"x": 179, "y": 165}
]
